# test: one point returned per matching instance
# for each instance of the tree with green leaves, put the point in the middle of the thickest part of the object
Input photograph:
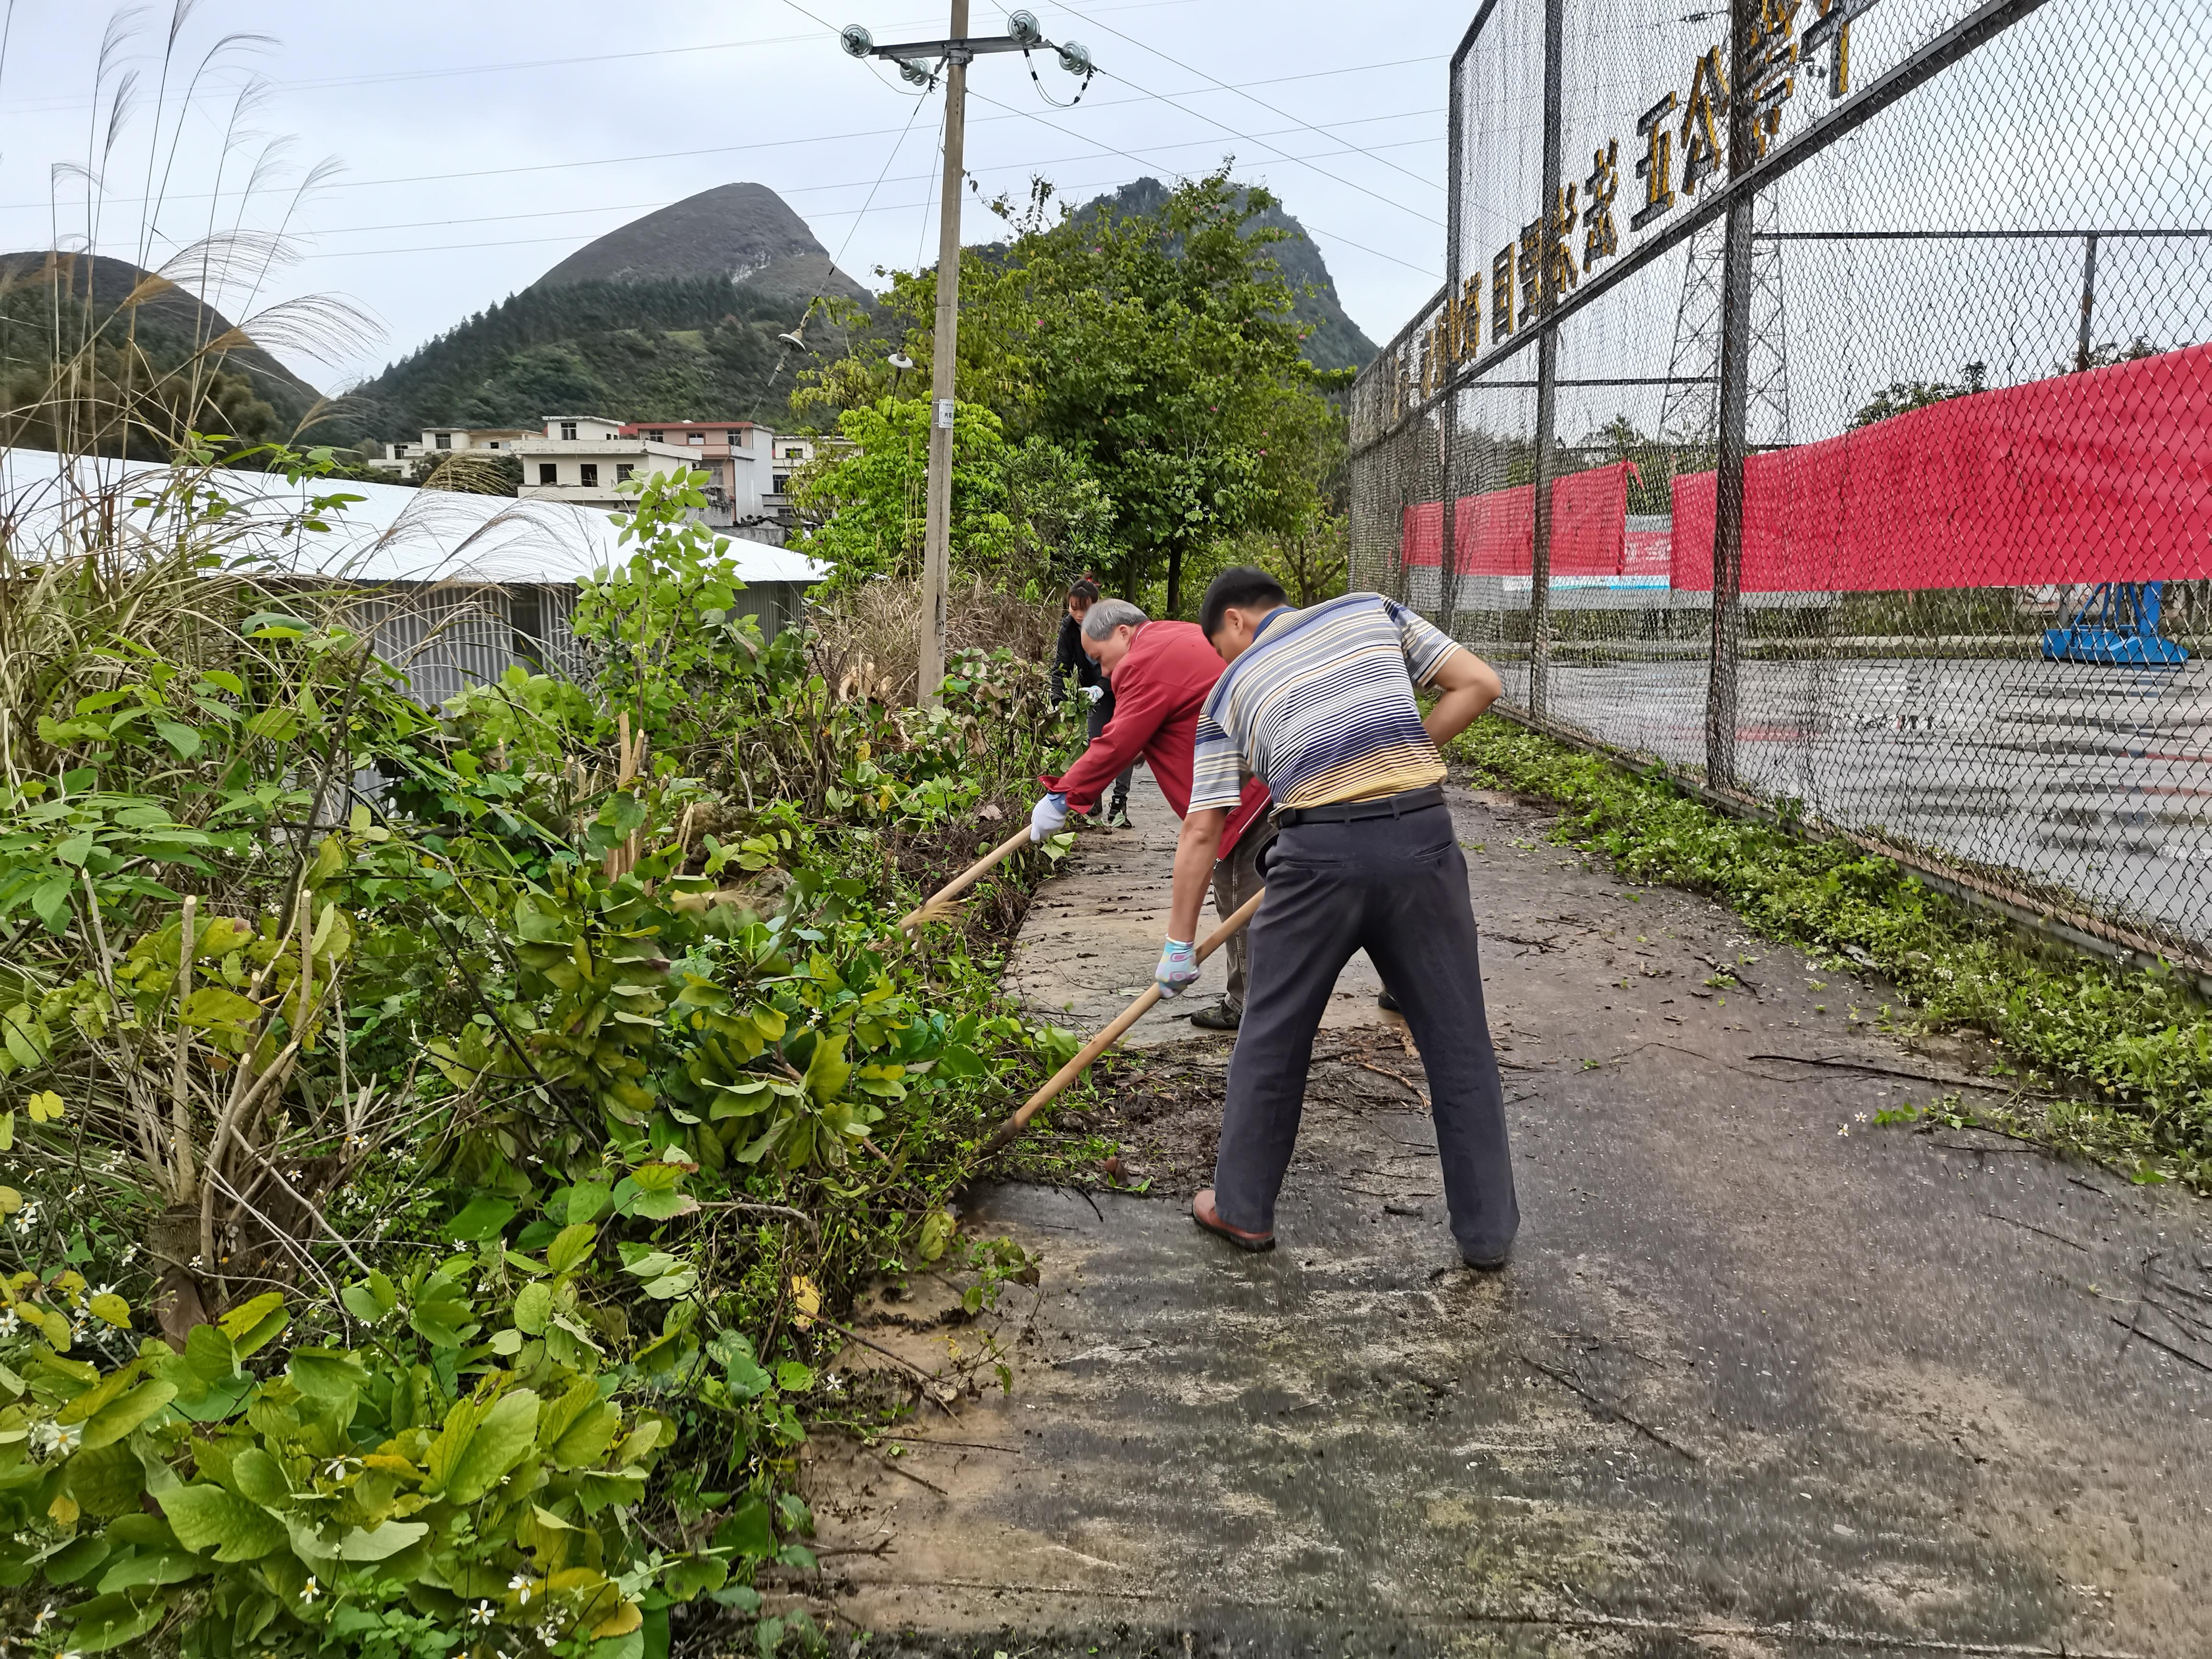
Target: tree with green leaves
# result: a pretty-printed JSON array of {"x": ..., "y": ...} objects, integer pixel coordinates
[{"x": 1159, "y": 349}]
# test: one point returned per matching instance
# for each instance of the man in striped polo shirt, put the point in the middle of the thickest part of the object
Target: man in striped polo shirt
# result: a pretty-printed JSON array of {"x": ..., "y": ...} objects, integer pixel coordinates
[{"x": 1319, "y": 704}]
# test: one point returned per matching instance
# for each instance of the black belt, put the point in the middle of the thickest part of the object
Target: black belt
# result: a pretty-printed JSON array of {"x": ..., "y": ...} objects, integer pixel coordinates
[{"x": 1383, "y": 807}]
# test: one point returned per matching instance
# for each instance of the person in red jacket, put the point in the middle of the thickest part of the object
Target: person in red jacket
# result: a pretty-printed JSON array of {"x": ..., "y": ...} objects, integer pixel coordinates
[{"x": 1162, "y": 673}]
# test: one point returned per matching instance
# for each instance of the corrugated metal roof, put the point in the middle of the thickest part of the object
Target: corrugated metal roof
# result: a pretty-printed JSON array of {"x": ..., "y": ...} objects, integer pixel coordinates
[{"x": 392, "y": 533}]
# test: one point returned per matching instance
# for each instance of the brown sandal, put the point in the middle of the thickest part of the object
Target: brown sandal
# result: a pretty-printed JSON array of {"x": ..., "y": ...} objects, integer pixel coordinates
[{"x": 1203, "y": 1212}]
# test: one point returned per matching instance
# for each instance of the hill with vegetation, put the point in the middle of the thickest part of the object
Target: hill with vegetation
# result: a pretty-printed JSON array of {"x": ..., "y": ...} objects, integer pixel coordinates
[
  {"x": 676, "y": 315},
  {"x": 1336, "y": 341},
  {"x": 133, "y": 339}
]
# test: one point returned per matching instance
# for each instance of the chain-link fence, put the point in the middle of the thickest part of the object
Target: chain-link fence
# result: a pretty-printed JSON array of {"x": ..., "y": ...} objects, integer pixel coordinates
[{"x": 1848, "y": 441}]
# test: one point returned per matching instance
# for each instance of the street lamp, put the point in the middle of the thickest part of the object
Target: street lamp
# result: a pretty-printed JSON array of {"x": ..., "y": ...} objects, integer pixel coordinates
[{"x": 954, "y": 53}]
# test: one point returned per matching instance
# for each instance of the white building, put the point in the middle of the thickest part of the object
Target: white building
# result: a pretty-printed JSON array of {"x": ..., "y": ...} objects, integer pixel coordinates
[
  {"x": 438, "y": 441},
  {"x": 735, "y": 457},
  {"x": 453, "y": 588},
  {"x": 580, "y": 458}
]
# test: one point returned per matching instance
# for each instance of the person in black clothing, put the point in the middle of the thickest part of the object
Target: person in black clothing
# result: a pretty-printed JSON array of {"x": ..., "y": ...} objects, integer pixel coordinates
[{"x": 1070, "y": 662}]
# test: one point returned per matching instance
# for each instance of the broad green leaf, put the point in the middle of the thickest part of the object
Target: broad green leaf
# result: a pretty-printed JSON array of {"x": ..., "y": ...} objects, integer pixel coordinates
[
  {"x": 482, "y": 1217},
  {"x": 792, "y": 1377},
  {"x": 74, "y": 1558},
  {"x": 109, "y": 1621},
  {"x": 325, "y": 1374},
  {"x": 184, "y": 740},
  {"x": 585, "y": 1440},
  {"x": 570, "y": 1245},
  {"x": 107, "y": 1481},
  {"x": 111, "y": 1309},
  {"x": 260, "y": 1478},
  {"x": 210, "y": 1355},
  {"x": 533, "y": 1306},
  {"x": 141, "y": 1568},
  {"x": 253, "y": 1325},
  {"x": 748, "y": 1533},
  {"x": 588, "y": 1200},
  {"x": 206, "y": 1517},
  {"x": 502, "y": 1439},
  {"x": 827, "y": 1069},
  {"x": 380, "y": 1542},
  {"x": 937, "y": 1230},
  {"x": 112, "y": 1422}
]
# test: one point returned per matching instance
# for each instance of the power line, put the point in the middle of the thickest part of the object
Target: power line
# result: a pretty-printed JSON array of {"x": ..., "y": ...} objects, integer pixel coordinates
[
  {"x": 1127, "y": 156},
  {"x": 1162, "y": 98},
  {"x": 61, "y": 106},
  {"x": 806, "y": 190},
  {"x": 1225, "y": 86},
  {"x": 836, "y": 213},
  {"x": 712, "y": 149}
]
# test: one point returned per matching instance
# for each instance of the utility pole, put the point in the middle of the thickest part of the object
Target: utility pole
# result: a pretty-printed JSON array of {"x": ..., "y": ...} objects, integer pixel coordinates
[
  {"x": 945, "y": 358},
  {"x": 954, "y": 53}
]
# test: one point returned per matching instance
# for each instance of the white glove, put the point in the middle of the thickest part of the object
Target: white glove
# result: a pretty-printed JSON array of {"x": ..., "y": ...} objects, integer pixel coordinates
[
  {"x": 1094, "y": 692},
  {"x": 1047, "y": 817}
]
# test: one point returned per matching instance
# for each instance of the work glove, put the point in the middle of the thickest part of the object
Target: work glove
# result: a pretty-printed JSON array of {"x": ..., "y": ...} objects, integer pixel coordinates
[
  {"x": 1094, "y": 692},
  {"x": 1047, "y": 817},
  {"x": 1178, "y": 967}
]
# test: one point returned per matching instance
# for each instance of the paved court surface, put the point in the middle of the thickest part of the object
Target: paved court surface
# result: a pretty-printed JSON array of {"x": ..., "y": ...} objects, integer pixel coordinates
[
  {"x": 2098, "y": 779},
  {"x": 1763, "y": 1378}
]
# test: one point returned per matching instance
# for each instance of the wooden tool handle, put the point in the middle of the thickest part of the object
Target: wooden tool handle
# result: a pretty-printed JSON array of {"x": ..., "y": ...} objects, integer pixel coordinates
[
  {"x": 1106, "y": 1039},
  {"x": 968, "y": 877}
]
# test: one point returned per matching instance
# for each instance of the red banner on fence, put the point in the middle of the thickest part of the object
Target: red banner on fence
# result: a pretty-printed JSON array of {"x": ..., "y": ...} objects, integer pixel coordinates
[
  {"x": 2105, "y": 476},
  {"x": 1495, "y": 534}
]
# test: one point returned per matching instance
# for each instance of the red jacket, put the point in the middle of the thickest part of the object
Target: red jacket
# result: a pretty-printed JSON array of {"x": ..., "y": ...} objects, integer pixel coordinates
[{"x": 1158, "y": 689}]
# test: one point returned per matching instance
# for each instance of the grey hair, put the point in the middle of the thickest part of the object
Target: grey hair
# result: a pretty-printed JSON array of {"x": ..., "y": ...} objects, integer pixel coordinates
[{"x": 1107, "y": 615}]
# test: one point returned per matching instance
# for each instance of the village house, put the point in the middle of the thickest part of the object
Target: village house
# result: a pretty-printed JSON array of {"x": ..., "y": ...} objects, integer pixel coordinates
[{"x": 404, "y": 458}]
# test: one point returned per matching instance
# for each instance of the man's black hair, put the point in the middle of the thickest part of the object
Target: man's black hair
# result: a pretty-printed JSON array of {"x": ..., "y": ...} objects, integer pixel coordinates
[{"x": 1245, "y": 586}]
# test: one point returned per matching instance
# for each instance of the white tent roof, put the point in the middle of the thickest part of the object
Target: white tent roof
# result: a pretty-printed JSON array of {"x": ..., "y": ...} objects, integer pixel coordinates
[{"x": 392, "y": 533}]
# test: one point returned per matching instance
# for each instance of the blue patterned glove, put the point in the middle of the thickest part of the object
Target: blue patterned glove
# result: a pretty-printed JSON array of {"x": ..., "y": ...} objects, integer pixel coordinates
[{"x": 1178, "y": 967}]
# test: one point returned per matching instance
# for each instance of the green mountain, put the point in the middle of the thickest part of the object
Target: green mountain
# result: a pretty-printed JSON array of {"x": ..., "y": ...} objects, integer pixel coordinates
[
  {"x": 1337, "y": 341},
  {"x": 679, "y": 314},
  {"x": 145, "y": 334},
  {"x": 676, "y": 315}
]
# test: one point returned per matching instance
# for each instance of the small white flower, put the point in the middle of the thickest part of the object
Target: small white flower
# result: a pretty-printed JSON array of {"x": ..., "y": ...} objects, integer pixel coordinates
[
  {"x": 337, "y": 1468},
  {"x": 46, "y": 1617},
  {"x": 481, "y": 1614},
  {"x": 310, "y": 1590},
  {"x": 521, "y": 1585}
]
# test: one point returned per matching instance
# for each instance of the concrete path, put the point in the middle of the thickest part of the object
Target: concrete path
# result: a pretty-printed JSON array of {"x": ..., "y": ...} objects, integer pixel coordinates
[{"x": 1763, "y": 1379}]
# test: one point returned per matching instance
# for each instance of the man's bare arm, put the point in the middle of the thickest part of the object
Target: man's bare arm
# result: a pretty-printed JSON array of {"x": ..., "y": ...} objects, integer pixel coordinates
[
  {"x": 1469, "y": 685},
  {"x": 1195, "y": 850}
]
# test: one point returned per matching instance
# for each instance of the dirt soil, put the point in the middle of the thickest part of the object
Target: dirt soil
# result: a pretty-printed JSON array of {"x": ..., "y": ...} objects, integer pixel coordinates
[{"x": 1764, "y": 1377}]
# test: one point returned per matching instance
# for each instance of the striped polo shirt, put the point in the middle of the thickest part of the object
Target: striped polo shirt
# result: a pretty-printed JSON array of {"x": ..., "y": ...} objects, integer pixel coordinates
[{"x": 1321, "y": 707}]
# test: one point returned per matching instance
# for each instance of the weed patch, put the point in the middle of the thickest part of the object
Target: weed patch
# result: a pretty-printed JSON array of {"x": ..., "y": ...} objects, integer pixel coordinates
[{"x": 2129, "y": 1050}]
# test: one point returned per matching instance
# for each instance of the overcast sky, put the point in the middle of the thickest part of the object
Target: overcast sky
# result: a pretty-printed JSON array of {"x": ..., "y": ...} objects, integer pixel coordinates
[{"x": 477, "y": 145}]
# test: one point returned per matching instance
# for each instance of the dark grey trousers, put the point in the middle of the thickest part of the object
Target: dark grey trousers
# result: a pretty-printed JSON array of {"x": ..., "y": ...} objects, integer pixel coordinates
[
  {"x": 1100, "y": 713},
  {"x": 1235, "y": 878},
  {"x": 1397, "y": 887}
]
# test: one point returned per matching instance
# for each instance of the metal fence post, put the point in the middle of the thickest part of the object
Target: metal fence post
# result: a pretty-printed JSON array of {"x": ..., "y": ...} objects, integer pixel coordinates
[
  {"x": 1449, "y": 329},
  {"x": 2088, "y": 300},
  {"x": 1734, "y": 402},
  {"x": 1547, "y": 370}
]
